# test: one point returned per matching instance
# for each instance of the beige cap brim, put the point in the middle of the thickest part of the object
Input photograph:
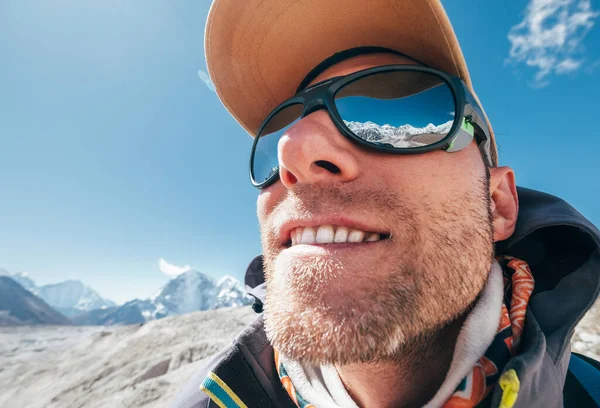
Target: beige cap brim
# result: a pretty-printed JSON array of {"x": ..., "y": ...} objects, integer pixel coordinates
[{"x": 258, "y": 51}]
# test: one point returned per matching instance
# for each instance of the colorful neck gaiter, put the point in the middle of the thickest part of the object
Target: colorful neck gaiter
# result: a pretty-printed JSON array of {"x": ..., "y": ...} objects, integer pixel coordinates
[{"x": 518, "y": 285}]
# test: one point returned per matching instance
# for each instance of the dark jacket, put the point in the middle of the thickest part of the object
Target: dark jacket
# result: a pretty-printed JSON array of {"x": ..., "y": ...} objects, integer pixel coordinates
[{"x": 561, "y": 247}]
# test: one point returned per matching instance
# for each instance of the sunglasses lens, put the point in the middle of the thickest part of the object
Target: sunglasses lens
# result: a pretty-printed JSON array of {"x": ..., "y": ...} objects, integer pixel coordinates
[
  {"x": 264, "y": 163},
  {"x": 402, "y": 109}
]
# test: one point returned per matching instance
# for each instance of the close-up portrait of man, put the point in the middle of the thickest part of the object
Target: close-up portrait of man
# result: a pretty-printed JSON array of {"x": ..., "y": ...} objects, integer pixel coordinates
[{"x": 401, "y": 265}]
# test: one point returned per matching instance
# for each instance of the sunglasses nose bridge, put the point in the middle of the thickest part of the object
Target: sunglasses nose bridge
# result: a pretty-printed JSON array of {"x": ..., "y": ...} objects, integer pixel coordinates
[{"x": 314, "y": 105}]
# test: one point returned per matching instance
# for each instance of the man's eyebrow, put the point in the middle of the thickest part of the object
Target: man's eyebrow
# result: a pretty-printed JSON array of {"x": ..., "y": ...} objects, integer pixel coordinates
[{"x": 343, "y": 55}]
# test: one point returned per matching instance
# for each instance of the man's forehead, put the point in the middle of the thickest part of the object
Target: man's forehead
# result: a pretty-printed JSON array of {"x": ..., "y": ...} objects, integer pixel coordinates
[{"x": 359, "y": 62}]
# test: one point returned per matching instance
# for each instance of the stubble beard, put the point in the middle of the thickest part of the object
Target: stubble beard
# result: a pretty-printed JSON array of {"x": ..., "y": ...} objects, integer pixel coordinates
[{"x": 321, "y": 311}]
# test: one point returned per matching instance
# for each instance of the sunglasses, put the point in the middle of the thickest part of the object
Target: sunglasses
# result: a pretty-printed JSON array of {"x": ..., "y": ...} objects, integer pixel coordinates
[{"x": 397, "y": 109}]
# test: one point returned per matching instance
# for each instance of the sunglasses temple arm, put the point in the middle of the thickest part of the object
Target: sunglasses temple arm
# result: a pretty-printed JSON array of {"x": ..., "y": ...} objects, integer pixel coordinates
[
  {"x": 463, "y": 138},
  {"x": 483, "y": 134}
]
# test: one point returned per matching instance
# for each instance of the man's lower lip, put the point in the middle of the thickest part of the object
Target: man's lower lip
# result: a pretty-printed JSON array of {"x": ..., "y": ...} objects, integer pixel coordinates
[{"x": 334, "y": 246}]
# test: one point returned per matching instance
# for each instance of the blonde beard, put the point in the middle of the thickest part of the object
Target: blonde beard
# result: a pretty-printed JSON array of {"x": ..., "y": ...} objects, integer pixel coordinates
[{"x": 319, "y": 312}]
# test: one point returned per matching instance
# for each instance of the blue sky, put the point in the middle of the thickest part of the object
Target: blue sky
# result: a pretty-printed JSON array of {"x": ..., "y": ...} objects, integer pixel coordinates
[{"x": 116, "y": 154}]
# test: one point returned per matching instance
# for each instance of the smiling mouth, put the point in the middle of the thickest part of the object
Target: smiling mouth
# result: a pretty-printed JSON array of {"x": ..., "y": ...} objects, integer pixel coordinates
[{"x": 332, "y": 234}]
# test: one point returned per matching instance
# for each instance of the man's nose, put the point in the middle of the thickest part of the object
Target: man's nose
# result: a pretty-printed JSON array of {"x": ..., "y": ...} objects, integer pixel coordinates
[{"x": 314, "y": 150}]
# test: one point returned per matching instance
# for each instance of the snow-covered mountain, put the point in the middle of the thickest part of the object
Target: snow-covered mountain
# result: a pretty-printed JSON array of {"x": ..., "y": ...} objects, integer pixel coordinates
[
  {"x": 70, "y": 297},
  {"x": 231, "y": 293},
  {"x": 402, "y": 136},
  {"x": 23, "y": 279},
  {"x": 133, "y": 312},
  {"x": 189, "y": 292},
  {"x": 18, "y": 306}
]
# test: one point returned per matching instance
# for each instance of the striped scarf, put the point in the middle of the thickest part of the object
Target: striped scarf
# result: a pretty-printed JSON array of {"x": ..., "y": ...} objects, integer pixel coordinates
[{"x": 518, "y": 284}]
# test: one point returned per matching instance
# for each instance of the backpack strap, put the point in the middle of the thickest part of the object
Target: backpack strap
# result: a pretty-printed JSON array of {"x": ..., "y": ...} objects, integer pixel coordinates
[{"x": 582, "y": 384}]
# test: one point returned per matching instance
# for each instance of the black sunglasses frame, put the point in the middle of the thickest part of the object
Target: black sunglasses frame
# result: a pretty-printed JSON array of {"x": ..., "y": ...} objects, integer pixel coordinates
[{"x": 322, "y": 96}]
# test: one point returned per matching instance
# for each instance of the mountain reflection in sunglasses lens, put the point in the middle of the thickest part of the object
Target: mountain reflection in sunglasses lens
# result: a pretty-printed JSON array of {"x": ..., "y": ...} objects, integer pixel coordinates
[{"x": 398, "y": 109}]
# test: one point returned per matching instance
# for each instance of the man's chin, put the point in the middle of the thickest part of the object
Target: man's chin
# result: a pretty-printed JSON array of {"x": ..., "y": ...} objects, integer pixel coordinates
[
  {"x": 318, "y": 335},
  {"x": 322, "y": 316}
]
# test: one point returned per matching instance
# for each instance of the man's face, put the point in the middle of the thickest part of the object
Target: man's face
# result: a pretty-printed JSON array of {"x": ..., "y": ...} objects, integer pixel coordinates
[{"x": 358, "y": 302}]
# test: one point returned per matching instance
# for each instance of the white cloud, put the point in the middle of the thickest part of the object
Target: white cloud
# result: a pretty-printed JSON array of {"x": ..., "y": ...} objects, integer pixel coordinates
[
  {"x": 206, "y": 79},
  {"x": 549, "y": 37},
  {"x": 171, "y": 270},
  {"x": 568, "y": 65}
]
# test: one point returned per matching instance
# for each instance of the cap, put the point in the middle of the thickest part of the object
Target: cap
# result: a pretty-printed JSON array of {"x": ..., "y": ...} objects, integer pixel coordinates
[{"x": 259, "y": 51}]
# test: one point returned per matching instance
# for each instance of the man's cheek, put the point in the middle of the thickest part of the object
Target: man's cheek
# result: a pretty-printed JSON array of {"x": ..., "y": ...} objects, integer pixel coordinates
[{"x": 260, "y": 210}]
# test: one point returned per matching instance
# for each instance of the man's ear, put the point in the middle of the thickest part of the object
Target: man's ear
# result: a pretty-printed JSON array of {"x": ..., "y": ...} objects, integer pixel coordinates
[{"x": 504, "y": 201}]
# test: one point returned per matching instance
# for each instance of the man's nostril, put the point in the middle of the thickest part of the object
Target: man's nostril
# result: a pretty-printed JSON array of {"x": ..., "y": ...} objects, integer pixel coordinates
[{"x": 328, "y": 166}]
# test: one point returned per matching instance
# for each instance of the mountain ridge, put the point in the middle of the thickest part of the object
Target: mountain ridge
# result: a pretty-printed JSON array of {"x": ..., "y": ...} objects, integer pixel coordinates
[
  {"x": 72, "y": 297},
  {"x": 402, "y": 136},
  {"x": 18, "y": 306},
  {"x": 188, "y": 292}
]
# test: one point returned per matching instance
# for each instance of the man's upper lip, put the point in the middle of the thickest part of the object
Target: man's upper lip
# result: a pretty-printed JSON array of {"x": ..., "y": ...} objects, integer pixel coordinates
[{"x": 286, "y": 228}]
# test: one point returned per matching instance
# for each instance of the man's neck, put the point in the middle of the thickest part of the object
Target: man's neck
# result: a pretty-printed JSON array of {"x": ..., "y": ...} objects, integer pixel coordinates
[{"x": 410, "y": 379}]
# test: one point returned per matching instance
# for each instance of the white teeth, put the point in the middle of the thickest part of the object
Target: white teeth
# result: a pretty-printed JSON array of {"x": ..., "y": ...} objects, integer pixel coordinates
[
  {"x": 372, "y": 237},
  {"x": 341, "y": 235},
  {"x": 356, "y": 236},
  {"x": 298, "y": 232},
  {"x": 328, "y": 234},
  {"x": 308, "y": 236},
  {"x": 325, "y": 234}
]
